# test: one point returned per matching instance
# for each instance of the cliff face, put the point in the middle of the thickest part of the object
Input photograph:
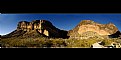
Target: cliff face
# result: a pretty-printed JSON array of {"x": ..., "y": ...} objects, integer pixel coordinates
[
  {"x": 42, "y": 27},
  {"x": 35, "y": 24},
  {"x": 89, "y": 25}
]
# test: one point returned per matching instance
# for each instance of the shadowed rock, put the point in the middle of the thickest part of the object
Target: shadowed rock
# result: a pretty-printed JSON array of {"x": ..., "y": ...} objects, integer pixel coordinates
[{"x": 116, "y": 35}]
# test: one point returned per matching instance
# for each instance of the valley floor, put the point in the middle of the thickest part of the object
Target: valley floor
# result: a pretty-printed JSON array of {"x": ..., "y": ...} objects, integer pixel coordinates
[{"x": 53, "y": 43}]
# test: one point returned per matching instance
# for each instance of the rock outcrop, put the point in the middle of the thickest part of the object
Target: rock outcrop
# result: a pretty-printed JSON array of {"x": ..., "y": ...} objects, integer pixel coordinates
[
  {"x": 98, "y": 45},
  {"x": 101, "y": 45},
  {"x": 91, "y": 26},
  {"x": 43, "y": 27}
]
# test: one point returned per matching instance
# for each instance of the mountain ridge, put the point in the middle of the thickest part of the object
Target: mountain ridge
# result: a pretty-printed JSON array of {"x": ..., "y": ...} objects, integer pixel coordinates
[
  {"x": 46, "y": 29},
  {"x": 43, "y": 27},
  {"x": 89, "y": 25}
]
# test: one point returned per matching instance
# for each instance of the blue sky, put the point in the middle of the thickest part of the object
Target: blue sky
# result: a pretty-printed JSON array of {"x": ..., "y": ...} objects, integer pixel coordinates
[{"x": 8, "y": 22}]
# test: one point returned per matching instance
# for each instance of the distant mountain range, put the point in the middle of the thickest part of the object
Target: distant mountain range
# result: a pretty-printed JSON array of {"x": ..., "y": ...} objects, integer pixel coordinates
[{"x": 44, "y": 28}]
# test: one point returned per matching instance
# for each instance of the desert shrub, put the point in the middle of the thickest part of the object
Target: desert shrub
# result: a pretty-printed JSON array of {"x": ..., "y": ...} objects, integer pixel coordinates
[
  {"x": 107, "y": 42},
  {"x": 82, "y": 43},
  {"x": 79, "y": 43},
  {"x": 51, "y": 42}
]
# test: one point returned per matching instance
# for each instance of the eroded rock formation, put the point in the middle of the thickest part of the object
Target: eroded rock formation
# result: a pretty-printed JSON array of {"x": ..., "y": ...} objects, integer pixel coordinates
[
  {"x": 41, "y": 26},
  {"x": 91, "y": 26}
]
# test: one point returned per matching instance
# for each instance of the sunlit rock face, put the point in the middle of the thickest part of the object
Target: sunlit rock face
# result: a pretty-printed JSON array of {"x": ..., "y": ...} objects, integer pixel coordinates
[
  {"x": 89, "y": 25},
  {"x": 42, "y": 26}
]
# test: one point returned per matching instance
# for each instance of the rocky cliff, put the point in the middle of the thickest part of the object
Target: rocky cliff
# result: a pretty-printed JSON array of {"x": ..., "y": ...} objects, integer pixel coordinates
[
  {"x": 43, "y": 27},
  {"x": 87, "y": 26}
]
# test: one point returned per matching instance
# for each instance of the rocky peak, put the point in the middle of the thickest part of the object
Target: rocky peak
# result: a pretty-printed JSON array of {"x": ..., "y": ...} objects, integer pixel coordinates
[
  {"x": 86, "y": 22},
  {"x": 89, "y": 25},
  {"x": 43, "y": 27},
  {"x": 35, "y": 24}
]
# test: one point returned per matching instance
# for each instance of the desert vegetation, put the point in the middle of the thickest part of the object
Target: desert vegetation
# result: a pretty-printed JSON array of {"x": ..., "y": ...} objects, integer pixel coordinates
[
  {"x": 86, "y": 33},
  {"x": 42, "y": 42}
]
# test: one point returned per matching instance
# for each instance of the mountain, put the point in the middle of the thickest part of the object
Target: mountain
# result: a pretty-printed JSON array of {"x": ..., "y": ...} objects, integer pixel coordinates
[
  {"x": 84, "y": 30},
  {"x": 37, "y": 28},
  {"x": 90, "y": 28}
]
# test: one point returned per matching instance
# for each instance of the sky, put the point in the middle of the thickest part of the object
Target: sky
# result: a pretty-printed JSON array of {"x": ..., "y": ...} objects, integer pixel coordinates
[{"x": 8, "y": 22}]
